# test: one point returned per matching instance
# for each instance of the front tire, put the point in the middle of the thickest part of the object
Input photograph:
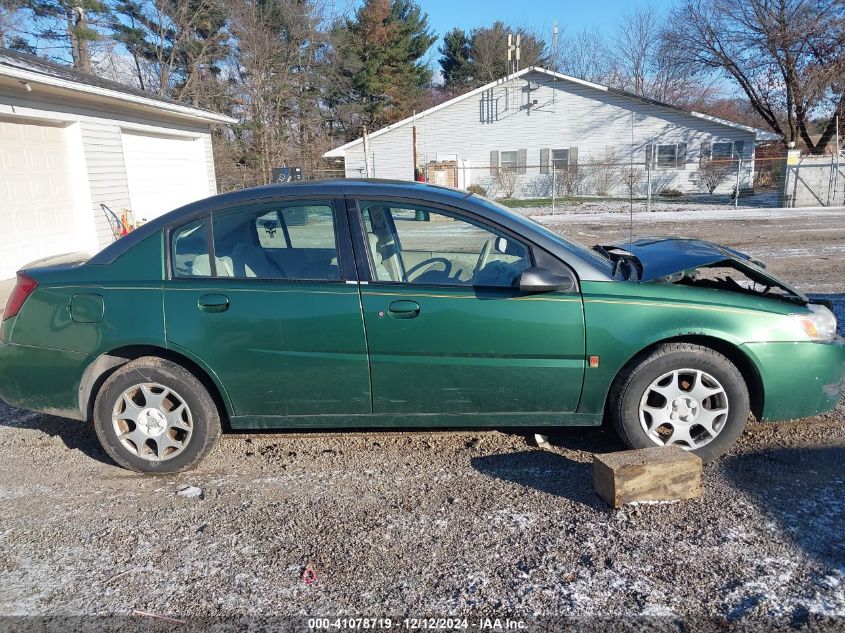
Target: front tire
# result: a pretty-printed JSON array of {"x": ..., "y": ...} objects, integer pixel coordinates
[
  {"x": 154, "y": 416},
  {"x": 680, "y": 394}
]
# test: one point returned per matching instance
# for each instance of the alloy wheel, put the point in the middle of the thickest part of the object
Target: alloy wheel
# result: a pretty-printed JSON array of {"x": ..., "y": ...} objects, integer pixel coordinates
[
  {"x": 152, "y": 421},
  {"x": 684, "y": 407}
]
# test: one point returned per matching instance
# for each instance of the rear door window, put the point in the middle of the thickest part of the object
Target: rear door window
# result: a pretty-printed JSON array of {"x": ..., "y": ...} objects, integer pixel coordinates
[
  {"x": 293, "y": 241},
  {"x": 190, "y": 250}
]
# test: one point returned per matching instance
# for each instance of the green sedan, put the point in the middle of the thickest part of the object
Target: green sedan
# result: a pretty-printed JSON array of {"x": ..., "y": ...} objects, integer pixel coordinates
[{"x": 363, "y": 304}]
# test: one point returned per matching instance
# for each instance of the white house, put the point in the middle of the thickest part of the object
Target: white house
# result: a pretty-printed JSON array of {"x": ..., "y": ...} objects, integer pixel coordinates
[
  {"x": 70, "y": 141},
  {"x": 537, "y": 122}
]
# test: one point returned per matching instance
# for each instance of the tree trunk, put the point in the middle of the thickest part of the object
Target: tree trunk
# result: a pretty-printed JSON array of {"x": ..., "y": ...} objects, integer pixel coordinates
[
  {"x": 817, "y": 149},
  {"x": 76, "y": 28}
]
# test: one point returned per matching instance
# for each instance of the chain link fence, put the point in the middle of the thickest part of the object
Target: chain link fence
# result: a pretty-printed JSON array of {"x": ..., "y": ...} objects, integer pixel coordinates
[
  {"x": 768, "y": 182},
  {"x": 757, "y": 183}
]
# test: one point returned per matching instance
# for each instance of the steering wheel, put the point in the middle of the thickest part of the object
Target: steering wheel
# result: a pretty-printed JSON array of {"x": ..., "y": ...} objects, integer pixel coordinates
[
  {"x": 483, "y": 256},
  {"x": 427, "y": 263}
]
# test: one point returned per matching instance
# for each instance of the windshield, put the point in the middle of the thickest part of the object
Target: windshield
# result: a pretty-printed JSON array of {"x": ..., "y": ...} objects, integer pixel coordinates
[{"x": 597, "y": 259}]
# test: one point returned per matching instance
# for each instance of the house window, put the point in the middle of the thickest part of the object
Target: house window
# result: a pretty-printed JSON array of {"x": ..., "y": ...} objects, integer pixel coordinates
[
  {"x": 560, "y": 158},
  {"x": 667, "y": 156},
  {"x": 509, "y": 160},
  {"x": 722, "y": 151},
  {"x": 672, "y": 156}
]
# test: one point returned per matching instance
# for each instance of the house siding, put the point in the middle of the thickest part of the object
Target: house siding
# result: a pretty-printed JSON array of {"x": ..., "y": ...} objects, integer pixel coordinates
[
  {"x": 566, "y": 114},
  {"x": 106, "y": 174}
]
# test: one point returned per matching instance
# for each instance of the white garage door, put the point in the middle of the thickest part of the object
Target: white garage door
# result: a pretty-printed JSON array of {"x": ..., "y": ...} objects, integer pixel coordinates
[
  {"x": 163, "y": 172},
  {"x": 37, "y": 216}
]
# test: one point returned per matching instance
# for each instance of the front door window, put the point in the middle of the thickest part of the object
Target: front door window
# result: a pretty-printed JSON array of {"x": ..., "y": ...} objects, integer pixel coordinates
[{"x": 421, "y": 246}]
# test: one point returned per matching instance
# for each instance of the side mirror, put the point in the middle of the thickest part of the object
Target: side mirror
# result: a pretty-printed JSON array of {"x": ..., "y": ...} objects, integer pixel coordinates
[
  {"x": 543, "y": 280},
  {"x": 508, "y": 247}
]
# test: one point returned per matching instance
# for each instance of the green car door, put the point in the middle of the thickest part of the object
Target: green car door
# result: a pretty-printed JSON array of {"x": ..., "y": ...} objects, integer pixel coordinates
[
  {"x": 264, "y": 296},
  {"x": 448, "y": 333}
]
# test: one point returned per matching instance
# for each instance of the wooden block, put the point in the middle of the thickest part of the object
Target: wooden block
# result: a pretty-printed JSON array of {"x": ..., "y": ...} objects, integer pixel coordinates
[{"x": 647, "y": 474}]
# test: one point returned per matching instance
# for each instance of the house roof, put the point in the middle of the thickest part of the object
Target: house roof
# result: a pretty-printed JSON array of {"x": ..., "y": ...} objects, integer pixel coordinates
[
  {"x": 29, "y": 68},
  {"x": 761, "y": 135}
]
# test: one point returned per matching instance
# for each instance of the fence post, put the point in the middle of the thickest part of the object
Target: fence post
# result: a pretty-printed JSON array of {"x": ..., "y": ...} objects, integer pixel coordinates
[
  {"x": 736, "y": 190},
  {"x": 554, "y": 186},
  {"x": 648, "y": 188}
]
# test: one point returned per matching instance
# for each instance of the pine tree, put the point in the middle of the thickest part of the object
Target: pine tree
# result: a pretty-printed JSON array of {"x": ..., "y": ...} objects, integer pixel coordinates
[
  {"x": 177, "y": 45},
  {"x": 380, "y": 75},
  {"x": 471, "y": 61},
  {"x": 455, "y": 60},
  {"x": 71, "y": 25}
]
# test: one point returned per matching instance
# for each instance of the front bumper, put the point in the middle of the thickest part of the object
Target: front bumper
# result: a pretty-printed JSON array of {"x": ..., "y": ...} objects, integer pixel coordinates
[{"x": 799, "y": 379}]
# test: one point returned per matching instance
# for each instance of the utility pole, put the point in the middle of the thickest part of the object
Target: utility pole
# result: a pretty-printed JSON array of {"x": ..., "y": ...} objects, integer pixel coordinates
[
  {"x": 414, "y": 143},
  {"x": 367, "y": 171}
]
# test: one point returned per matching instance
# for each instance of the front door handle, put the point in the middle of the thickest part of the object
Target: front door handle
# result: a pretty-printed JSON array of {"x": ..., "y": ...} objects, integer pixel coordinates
[
  {"x": 404, "y": 309},
  {"x": 213, "y": 303}
]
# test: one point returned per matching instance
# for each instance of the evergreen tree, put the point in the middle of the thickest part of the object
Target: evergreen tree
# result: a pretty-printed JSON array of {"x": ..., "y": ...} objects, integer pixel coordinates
[
  {"x": 380, "y": 75},
  {"x": 177, "y": 46},
  {"x": 469, "y": 62},
  {"x": 70, "y": 25},
  {"x": 455, "y": 60}
]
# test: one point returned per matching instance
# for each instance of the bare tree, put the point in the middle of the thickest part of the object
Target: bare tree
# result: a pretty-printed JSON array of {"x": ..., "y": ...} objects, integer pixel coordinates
[
  {"x": 280, "y": 68},
  {"x": 712, "y": 173},
  {"x": 604, "y": 172},
  {"x": 506, "y": 182},
  {"x": 787, "y": 56},
  {"x": 647, "y": 65},
  {"x": 631, "y": 178},
  {"x": 569, "y": 179},
  {"x": 584, "y": 55}
]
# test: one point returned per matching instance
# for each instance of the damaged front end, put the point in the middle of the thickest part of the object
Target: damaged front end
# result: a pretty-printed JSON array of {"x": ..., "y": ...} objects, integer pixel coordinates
[{"x": 699, "y": 264}]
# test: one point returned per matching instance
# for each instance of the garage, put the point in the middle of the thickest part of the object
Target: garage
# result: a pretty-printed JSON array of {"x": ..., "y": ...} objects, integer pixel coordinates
[
  {"x": 163, "y": 172},
  {"x": 36, "y": 194},
  {"x": 71, "y": 143}
]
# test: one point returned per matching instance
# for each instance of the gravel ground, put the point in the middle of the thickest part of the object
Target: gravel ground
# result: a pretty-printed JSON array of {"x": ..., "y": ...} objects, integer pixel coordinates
[{"x": 481, "y": 524}]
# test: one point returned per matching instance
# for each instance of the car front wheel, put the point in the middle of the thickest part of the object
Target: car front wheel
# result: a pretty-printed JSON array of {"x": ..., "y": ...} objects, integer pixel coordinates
[
  {"x": 154, "y": 416},
  {"x": 681, "y": 395}
]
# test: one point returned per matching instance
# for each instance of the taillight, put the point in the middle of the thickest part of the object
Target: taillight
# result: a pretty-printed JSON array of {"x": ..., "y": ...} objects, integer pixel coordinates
[{"x": 23, "y": 288}]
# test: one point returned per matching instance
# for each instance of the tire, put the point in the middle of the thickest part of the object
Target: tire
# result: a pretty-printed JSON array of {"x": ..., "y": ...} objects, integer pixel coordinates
[
  {"x": 141, "y": 423},
  {"x": 644, "y": 417}
]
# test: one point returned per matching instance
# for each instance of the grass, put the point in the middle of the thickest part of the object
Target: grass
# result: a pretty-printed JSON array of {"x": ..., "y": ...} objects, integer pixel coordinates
[{"x": 518, "y": 203}]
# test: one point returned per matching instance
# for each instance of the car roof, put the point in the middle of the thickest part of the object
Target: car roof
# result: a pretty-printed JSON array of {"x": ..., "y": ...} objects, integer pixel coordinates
[{"x": 586, "y": 267}]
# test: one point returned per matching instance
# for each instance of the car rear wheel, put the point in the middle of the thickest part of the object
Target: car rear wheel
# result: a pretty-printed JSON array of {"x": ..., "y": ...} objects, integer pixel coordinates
[
  {"x": 154, "y": 416},
  {"x": 682, "y": 395}
]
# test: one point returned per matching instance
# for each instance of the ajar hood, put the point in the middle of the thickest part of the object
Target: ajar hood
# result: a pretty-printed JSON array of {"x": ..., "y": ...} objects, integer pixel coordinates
[{"x": 660, "y": 257}]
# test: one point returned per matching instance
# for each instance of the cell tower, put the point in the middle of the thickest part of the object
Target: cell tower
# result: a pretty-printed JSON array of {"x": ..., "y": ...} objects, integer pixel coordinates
[
  {"x": 513, "y": 52},
  {"x": 513, "y": 64}
]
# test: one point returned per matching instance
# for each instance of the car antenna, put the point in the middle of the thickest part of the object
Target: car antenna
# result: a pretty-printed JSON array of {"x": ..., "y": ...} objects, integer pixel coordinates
[{"x": 631, "y": 190}]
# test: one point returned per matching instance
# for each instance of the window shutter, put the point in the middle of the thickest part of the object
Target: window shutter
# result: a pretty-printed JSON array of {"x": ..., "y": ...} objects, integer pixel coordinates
[
  {"x": 649, "y": 156},
  {"x": 544, "y": 160},
  {"x": 573, "y": 155},
  {"x": 521, "y": 159},
  {"x": 705, "y": 152},
  {"x": 681, "y": 160},
  {"x": 739, "y": 146},
  {"x": 494, "y": 162}
]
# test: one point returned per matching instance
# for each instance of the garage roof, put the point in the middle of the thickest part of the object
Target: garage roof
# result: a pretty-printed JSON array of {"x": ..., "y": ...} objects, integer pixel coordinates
[{"x": 29, "y": 68}]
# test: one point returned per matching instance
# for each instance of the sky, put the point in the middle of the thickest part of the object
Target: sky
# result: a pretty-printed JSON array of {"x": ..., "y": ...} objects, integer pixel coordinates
[{"x": 535, "y": 15}]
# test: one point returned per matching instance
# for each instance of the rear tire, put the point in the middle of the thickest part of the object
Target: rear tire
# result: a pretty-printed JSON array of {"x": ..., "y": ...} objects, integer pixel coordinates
[
  {"x": 682, "y": 394},
  {"x": 154, "y": 416}
]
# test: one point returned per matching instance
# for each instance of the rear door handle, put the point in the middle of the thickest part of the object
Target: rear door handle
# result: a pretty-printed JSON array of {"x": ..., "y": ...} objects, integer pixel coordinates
[
  {"x": 404, "y": 309},
  {"x": 213, "y": 303}
]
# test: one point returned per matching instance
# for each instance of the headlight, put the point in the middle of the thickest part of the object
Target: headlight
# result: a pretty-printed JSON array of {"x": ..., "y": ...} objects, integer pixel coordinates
[{"x": 819, "y": 323}]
